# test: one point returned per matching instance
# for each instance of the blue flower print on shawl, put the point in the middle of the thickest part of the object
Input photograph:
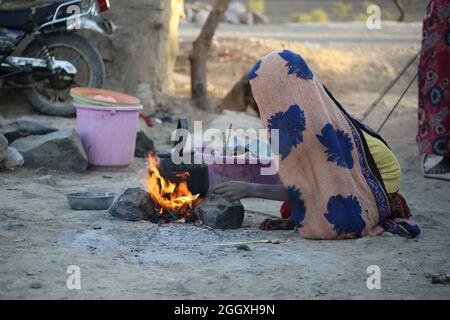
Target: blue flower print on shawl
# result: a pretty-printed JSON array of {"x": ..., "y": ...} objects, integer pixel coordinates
[
  {"x": 345, "y": 214},
  {"x": 298, "y": 210},
  {"x": 252, "y": 73},
  {"x": 338, "y": 146},
  {"x": 291, "y": 125},
  {"x": 296, "y": 65}
]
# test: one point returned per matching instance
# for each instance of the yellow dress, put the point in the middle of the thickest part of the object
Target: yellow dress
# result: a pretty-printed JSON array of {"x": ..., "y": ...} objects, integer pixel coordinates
[{"x": 386, "y": 162}]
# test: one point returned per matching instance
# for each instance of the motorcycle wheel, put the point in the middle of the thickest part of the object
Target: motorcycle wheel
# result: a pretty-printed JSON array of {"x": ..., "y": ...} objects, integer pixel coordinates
[{"x": 52, "y": 97}]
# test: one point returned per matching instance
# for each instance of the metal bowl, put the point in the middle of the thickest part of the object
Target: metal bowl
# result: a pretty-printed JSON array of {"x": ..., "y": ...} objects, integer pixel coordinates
[{"x": 90, "y": 200}]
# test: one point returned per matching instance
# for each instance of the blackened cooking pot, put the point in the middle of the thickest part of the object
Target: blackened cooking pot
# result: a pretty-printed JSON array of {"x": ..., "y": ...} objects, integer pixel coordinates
[{"x": 196, "y": 175}]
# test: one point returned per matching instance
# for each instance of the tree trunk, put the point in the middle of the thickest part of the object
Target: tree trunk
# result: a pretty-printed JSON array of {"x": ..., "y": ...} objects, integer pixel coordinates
[
  {"x": 400, "y": 7},
  {"x": 199, "y": 55}
]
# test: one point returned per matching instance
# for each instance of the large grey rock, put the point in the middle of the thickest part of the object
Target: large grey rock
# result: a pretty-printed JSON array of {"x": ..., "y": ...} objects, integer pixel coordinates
[
  {"x": 13, "y": 159},
  {"x": 220, "y": 213},
  {"x": 3, "y": 147},
  {"x": 23, "y": 127},
  {"x": 134, "y": 204},
  {"x": 59, "y": 150}
]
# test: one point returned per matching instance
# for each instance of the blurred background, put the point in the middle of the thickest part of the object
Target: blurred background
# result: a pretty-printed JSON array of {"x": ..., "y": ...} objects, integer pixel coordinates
[
  {"x": 279, "y": 11},
  {"x": 148, "y": 55}
]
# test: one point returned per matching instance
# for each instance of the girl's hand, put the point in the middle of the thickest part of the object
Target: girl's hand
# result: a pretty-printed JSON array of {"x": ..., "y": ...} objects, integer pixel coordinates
[{"x": 234, "y": 190}]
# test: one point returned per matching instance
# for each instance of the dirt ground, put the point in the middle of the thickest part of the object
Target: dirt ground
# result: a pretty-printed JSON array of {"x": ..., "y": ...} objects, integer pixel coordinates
[{"x": 40, "y": 236}]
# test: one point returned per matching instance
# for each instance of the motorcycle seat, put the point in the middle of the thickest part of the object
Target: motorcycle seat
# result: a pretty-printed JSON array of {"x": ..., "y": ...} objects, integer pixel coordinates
[
  {"x": 24, "y": 18},
  {"x": 16, "y": 18}
]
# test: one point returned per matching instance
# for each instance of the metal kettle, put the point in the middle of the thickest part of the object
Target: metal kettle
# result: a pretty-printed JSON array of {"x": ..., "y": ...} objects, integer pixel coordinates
[{"x": 196, "y": 175}]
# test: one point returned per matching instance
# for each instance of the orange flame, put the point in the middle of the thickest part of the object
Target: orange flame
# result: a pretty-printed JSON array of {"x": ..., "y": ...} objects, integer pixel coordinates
[{"x": 166, "y": 194}]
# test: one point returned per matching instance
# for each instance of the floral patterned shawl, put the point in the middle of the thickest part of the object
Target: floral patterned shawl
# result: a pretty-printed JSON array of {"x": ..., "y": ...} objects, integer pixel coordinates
[{"x": 333, "y": 191}]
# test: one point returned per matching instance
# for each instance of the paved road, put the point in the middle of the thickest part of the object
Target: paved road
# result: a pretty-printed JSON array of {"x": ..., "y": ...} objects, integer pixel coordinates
[{"x": 321, "y": 34}]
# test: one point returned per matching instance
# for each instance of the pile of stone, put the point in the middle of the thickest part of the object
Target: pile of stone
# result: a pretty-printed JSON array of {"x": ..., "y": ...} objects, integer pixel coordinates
[
  {"x": 36, "y": 144},
  {"x": 237, "y": 13},
  {"x": 217, "y": 212},
  {"x": 59, "y": 150}
]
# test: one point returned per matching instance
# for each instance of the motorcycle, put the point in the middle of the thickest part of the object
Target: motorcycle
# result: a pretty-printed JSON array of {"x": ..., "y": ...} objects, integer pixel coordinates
[{"x": 55, "y": 58}]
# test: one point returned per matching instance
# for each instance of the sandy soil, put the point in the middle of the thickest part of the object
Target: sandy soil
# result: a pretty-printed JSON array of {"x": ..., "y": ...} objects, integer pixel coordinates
[{"x": 41, "y": 236}]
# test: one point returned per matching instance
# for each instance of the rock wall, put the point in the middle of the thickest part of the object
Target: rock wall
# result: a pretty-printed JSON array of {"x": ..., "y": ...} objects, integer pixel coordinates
[{"x": 141, "y": 54}]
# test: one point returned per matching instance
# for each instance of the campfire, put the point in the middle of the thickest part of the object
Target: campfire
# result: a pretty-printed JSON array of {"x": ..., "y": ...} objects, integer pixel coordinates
[
  {"x": 177, "y": 193},
  {"x": 170, "y": 198}
]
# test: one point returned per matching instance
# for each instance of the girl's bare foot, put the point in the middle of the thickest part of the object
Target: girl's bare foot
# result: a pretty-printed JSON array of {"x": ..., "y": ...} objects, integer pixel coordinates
[
  {"x": 442, "y": 167},
  {"x": 277, "y": 224}
]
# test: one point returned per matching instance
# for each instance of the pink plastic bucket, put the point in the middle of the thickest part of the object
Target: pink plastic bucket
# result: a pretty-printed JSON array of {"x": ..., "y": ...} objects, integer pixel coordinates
[{"x": 108, "y": 133}]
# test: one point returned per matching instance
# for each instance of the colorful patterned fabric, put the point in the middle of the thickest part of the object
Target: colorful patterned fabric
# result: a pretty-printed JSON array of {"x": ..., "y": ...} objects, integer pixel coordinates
[
  {"x": 401, "y": 227},
  {"x": 398, "y": 222},
  {"x": 399, "y": 207},
  {"x": 433, "y": 136},
  {"x": 333, "y": 189}
]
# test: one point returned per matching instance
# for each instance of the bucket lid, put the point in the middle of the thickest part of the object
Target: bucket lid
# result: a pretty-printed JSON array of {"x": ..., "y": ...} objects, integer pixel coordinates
[
  {"x": 112, "y": 108},
  {"x": 102, "y": 97}
]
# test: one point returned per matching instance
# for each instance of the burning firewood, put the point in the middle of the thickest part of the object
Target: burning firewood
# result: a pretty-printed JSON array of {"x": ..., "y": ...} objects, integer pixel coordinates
[
  {"x": 172, "y": 199},
  {"x": 163, "y": 201}
]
